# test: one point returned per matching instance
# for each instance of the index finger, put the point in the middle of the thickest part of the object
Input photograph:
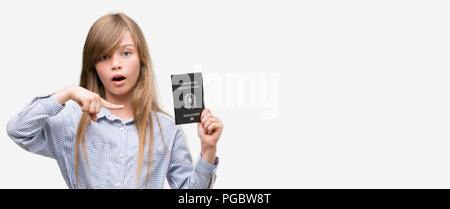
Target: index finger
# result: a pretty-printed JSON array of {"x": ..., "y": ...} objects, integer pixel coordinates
[{"x": 111, "y": 106}]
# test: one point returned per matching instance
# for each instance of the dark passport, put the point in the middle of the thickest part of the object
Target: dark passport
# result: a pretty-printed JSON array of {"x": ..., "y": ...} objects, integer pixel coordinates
[{"x": 187, "y": 97}]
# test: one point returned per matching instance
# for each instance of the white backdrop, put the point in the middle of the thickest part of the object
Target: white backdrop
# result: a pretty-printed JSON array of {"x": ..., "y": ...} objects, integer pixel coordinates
[{"x": 313, "y": 94}]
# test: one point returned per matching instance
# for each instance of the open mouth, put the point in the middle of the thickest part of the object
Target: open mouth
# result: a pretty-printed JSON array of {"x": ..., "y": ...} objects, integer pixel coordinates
[{"x": 118, "y": 78}]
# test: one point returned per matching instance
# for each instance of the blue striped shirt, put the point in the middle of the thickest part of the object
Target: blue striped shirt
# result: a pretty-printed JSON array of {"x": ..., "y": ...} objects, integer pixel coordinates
[{"x": 47, "y": 128}]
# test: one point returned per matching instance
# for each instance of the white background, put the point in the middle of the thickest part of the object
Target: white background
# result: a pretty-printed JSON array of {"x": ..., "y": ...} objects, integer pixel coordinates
[{"x": 363, "y": 86}]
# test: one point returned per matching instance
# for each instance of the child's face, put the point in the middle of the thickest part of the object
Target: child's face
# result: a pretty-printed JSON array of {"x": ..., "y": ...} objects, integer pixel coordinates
[{"x": 125, "y": 62}]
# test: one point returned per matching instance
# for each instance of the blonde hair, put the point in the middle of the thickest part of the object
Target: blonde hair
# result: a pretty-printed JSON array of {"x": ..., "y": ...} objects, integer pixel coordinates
[{"x": 103, "y": 38}]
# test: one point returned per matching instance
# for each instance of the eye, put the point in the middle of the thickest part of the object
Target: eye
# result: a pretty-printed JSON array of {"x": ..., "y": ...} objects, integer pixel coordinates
[
  {"x": 103, "y": 58},
  {"x": 126, "y": 53}
]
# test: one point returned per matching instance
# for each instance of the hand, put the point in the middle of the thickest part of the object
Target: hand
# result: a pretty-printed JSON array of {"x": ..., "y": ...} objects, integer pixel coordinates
[
  {"x": 209, "y": 130},
  {"x": 90, "y": 102}
]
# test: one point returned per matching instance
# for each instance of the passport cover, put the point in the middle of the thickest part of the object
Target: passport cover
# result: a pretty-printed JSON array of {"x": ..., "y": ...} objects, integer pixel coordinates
[{"x": 187, "y": 97}]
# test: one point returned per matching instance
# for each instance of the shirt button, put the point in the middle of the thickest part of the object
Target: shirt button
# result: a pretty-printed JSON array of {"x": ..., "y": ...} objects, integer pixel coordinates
[
  {"x": 118, "y": 185},
  {"x": 122, "y": 129},
  {"x": 121, "y": 155}
]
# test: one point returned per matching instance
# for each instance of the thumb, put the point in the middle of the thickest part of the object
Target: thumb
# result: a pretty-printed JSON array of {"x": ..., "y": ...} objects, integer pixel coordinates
[{"x": 111, "y": 106}]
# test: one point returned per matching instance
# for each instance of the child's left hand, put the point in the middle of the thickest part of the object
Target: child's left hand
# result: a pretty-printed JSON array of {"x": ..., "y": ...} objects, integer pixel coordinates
[{"x": 209, "y": 129}]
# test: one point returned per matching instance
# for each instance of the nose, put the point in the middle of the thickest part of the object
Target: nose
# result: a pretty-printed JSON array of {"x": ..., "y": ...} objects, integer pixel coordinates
[{"x": 115, "y": 63}]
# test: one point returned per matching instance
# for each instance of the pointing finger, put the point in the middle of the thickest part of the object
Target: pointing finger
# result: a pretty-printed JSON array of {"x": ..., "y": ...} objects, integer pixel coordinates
[
  {"x": 97, "y": 108},
  {"x": 111, "y": 106},
  {"x": 92, "y": 107}
]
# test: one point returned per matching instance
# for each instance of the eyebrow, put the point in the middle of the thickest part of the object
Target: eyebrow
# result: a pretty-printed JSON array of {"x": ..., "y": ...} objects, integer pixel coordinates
[{"x": 125, "y": 45}]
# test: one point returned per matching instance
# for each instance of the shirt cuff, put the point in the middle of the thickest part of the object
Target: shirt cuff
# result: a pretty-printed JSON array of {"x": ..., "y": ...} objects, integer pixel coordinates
[
  {"x": 207, "y": 169},
  {"x": 50, "y": 104}
]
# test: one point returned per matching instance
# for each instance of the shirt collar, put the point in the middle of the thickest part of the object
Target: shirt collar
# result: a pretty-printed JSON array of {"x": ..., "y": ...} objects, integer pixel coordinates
[{"x": 105, "y": 113}]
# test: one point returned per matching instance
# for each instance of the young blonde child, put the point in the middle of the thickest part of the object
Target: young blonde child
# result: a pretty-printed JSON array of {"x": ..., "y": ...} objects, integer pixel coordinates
[{"x": 116, "y": 135}]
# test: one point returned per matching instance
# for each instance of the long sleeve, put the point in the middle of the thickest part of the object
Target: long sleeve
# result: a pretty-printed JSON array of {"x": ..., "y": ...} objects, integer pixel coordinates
[
  {"x": 182, "y": 174},
  {"x": 47, "y": 128},
  {"x": 36, "y": 129}
]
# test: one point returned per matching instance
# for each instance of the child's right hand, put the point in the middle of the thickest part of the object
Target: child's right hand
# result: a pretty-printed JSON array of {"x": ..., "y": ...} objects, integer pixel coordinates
[{"x": 89, "y": 101}]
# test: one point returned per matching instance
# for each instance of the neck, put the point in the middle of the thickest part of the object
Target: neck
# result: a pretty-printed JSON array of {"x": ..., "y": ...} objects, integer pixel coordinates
[{"x": 125, "y": 100}]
